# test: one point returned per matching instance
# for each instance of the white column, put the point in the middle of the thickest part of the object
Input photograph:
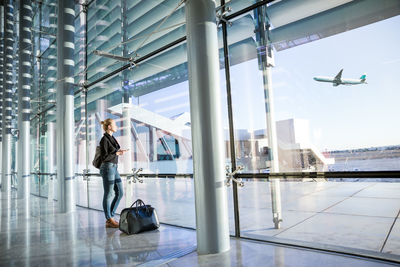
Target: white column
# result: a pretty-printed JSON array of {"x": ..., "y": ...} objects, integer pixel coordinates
[
  {"x": 207, "y": 134},
  {"x": 7, "y": 94},
  {"x": 24, "y": 106},
  {"x": 65, "y": 105},
  {"x": 126, "y": 143}
]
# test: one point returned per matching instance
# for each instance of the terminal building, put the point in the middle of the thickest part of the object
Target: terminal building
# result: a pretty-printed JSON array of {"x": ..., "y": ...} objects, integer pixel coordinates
[{"x": 246, "y": 158}]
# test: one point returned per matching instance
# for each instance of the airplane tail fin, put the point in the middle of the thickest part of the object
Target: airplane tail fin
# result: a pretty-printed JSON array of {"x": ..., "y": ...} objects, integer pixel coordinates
[{"x": 363, "y": 77}]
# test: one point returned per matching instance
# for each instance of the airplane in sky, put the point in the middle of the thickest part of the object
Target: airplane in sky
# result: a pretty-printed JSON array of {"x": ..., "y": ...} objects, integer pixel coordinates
[{"x": 337, "y": 80}]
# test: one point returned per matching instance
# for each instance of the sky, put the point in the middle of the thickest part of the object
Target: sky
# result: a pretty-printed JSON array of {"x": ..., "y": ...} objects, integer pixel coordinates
[
  {"x": 345, "y": 116},
  {"x": 342, "y": 117}
]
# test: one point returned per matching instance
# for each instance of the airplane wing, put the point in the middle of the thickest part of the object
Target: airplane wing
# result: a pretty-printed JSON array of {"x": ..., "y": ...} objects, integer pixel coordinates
[{"x": 339, "y": 75}]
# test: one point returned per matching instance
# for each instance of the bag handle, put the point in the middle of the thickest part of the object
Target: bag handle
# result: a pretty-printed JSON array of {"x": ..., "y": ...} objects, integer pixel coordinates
[
  {"x": 140, "y": 203},
  {"x": 137, "y": 203}
]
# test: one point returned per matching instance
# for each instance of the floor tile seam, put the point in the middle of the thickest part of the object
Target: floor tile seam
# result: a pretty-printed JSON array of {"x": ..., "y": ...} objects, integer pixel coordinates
[
  {"x": 390, "y": 230},
  {"x": 318, "y": 191},
  {"x": 338, "y": 213},
  {"x": 309, "y": 217},
  {"x": 324, "y": 189},
  {"x": 363, "y": 189},
  {"x": 275, "y": 235},
  {"x": 357, "y": 215},
  {"x": 300, "y": 195},
  {"x": 394, "y": 198},
  {"x": 338, "y": 187}
]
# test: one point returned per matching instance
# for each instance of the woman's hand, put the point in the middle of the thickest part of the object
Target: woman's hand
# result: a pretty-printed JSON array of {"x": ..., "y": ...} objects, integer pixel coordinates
[{"x": 121, "y": 151}]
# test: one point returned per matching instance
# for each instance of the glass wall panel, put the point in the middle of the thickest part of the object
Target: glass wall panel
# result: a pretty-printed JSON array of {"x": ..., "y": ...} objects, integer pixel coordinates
[
  {"x": 254, "y": 141},
  {"x": 151, "y": 100},
  {"x": 339, "y": 127},
  {"x": 321, "y": 125},
  {"x": 43, "y": 95},
  {"x": 334, "y": 105},
  {"x": 47, "y": 160},
  {"x": 159, "y": 112},
  {"x": 99, "y": 108},
  {"x": 35, "y": 148},
  {"x": 152, "y": 113},
  {"x": 44, "y": 107},
  {"x": 172, "y": 197},
  {"x": 306, "y": 118},
  {"x": 34, "y": 133}
]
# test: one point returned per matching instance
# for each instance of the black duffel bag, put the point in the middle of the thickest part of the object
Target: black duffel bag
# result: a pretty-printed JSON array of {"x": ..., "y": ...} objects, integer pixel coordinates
[{"x": 138, "y": 218}]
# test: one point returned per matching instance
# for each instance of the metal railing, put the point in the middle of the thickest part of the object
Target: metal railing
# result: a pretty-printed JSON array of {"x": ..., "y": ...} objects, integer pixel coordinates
[
  {"x": 278, "y": 175},
  {"x": 236, "y": 177}
]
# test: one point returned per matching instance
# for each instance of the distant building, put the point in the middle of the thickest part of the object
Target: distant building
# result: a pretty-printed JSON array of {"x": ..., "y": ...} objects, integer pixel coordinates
[{"x": 296, "y": 152}]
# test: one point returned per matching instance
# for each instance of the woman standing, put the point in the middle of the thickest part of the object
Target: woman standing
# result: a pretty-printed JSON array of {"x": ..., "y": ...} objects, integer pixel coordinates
[{"x": 110, "y": 150}]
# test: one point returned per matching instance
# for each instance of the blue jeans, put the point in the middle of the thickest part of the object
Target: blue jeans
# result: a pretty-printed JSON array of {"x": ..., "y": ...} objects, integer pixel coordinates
[{"x": 111, "y": 181}]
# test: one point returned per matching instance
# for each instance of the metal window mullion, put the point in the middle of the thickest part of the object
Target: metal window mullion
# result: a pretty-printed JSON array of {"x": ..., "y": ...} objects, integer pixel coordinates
[
  {"x": 85, "y": 60},
  {"x": 230, "y": 121}
]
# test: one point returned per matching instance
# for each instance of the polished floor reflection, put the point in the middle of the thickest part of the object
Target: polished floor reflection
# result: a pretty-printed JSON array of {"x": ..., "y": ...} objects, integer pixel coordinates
[
  {"x": 349, "y": 215},
  {"x": 251, "y": 253},
  {"x": 33, "y": 233},
  {"x": 49, "y": 238}
]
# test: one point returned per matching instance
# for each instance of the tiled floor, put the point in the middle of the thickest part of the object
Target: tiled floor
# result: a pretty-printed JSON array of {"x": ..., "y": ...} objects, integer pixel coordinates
[
  {"x": 359, "y": 215},
  {"x": 49, "y": 238}
]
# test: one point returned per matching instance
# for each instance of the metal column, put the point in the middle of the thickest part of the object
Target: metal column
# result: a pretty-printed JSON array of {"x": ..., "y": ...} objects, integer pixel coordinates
[
  {"x": 24, "y": 91},
  {"x": 65, "y": 105},
  {"x": 207, "y": 134},
  {"x": 7, "y": 94},
  {"x": 266, "y": 63}
]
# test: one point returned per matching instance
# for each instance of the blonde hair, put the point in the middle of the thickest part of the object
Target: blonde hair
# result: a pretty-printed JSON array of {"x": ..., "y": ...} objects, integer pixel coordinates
[{"x": 106, "y": 123}]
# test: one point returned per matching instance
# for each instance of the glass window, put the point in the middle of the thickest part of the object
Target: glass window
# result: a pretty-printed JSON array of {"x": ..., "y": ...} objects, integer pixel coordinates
[
  {"x": 334, "y": 104},
  {"x": 324, "y": 119}
]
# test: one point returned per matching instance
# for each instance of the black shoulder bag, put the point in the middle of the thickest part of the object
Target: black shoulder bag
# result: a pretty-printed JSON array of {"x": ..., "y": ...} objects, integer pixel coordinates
[
  {"x": 138, "y": 218},
  {"x": 97, "y": 158}
]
